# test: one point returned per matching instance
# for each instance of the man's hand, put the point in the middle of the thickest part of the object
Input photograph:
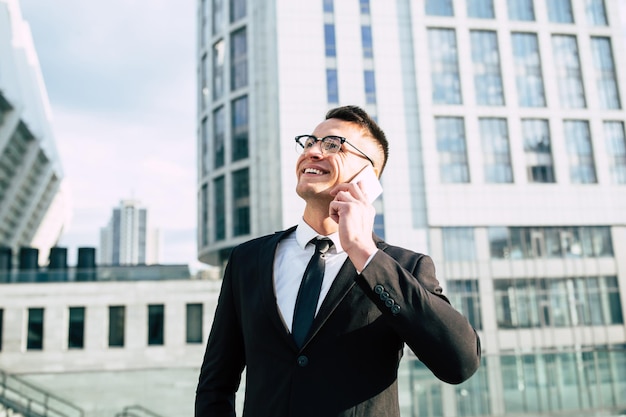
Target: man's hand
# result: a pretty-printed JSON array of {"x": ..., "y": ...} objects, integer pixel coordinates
[{"x": 355, "y": 216}]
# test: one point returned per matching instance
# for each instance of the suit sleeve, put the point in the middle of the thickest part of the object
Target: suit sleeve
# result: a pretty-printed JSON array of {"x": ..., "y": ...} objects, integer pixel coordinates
[
  {"x": 404, "y": 287},
  {"x": 224, "y": 358}
]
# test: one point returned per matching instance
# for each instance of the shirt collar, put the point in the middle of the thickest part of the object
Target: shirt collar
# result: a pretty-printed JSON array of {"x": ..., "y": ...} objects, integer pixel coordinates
[{"x": 304, "y": 234}]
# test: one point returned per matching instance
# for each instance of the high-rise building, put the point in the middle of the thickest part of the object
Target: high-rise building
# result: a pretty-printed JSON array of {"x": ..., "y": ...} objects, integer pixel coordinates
[
  {"x": 127, "y": 239},
  {"x": 508, "y": 166},
  {"x": 33, "y": 198}
]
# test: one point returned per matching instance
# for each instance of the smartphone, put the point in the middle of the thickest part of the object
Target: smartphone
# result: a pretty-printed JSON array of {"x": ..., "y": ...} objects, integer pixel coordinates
[{"x": 369, "y": 182}]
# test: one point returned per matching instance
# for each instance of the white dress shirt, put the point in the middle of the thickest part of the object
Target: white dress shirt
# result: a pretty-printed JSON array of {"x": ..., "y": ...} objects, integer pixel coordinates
[{"x": 292, "y": 256}]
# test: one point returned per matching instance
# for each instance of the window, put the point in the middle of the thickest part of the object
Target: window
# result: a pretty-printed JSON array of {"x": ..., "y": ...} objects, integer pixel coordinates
[
  {"x": 538, "y": 151},
  {"x": 218, "y": 16},
  {"x": 579, "y": 151},
  {"x": 156, "y": 324},
  {"x": 218, "y": 69},
  {"x": 496, "y": 155},
  {"x": 560, "y": 11},
  {"x": 241, "y": 202},
  {"x": 370, "y": 87},
  {"x": 446, "y": 82},
  {"x": 571, "y": 90},
  {"x": 204, "y": 145},
  {"x": 35, "y": 329},
  {"x": 451, "y": 148},
  {"x": 550, "y": 242},
  {"x": 237, "y": 10},
  {"x": 332, "y": 86},
  {"x": 365, "y": 6},
  {"x": 487, "y": 76},
  {"x": 76, "y": 328},
  {"x": 606, "y": 79},
  {"x": 204, "y": 16},
  {"x": 328, "y": 6},
  {"x": 219, "y": 137},
  {"x": 458, "y": 244},
  {"x": 1, "y": 323},
  {"x": 204, "y": 215},
  {"x": 194, "y": 323},
  {"x": 219, "y": 201},
  {"x": 596, "y": 13},
  {"x": 204, "y": 87},
  {"x": 240, "y": 128},
  {"x": 439, "y": 8},
  {"x": 482, "y": 9},
  {"x": 464, "y": 295},
  {"x": 615, "y": 143},
  {"x": 522, "y": 10},
  {"x": 238, "y": 59},
  {"x": 117, "y": 317},
  {"x": 528, "y": 76},
  {"x": 366, "y": 40},
  {"x": 329, "y": 39}
]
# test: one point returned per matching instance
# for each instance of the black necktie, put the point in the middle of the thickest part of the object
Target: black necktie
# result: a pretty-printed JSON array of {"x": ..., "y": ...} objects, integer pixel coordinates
[{"x": 309, "y": 291}]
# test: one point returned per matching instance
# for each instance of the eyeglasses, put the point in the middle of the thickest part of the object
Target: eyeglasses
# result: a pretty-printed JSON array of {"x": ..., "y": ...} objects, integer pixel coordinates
[{"x": 330, "y": 144}]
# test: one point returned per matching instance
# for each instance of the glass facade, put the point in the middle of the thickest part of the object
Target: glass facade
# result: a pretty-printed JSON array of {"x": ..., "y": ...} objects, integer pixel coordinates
[
  {"x": 494, "y": 136},
  {"x": 606, "y": 79},
  {"x": 538, "y": 151},
  {"x": 451, "y": 148},
  {"x": 76, "y": 328},
  {"x": 445, "y": 80},
  {"x": 521, "y": 10},
  {"x": 528, "y": 74},
  {"x": 550, "y": 242},
  {"x": 567, "y": 63},
  {"x": 241, "y": 202},
  {"x": 615, "y": 144},
  {"x": 579, "y": 151}
]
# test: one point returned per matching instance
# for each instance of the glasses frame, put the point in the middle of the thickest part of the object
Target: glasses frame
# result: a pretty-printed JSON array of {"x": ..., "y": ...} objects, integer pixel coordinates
[{"x": 342, "y": 140}]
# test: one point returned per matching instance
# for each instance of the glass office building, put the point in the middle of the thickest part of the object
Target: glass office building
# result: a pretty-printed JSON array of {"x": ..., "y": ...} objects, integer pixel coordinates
[{"x": 508, "y": 166}]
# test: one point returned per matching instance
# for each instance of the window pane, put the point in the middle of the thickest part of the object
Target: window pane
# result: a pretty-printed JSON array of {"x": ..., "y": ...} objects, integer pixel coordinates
[
  {"x": 204, "y": 232},
  {"x": 76, "y": 333},
  {"x": 218, "y": 15},
  {"x": 204, "y": 144},
  {"x": 241, "y": 202},
  {"x": 237, "y": 10},
  {"x": 116, "y": 325},
  {"x": 1, "y": 329},
  {"x": 522, "y": 10},
  {"x": 496, "y": 155},
  {"x": 156, "y": 324},
  {"x": 538, "y": 151},
  {"x": 606, "y": 79},
  {"x": 365, "y": 6},
  {"x": 451, "y": 148},
  {"x": 446, "y": 83},
  {"x": 370, "y": 87},
  {"x": 486, "y": 60},
  {"x": 328, "y": 6},
  {"x": 596, "y": 13},
  {"x": 439, "y": 8},
  {"x": 238, "y": 60},
  {"x": 240, "y": 128},
  {"x": 615, "y": 144},
  {"x": 464, "y": 295},
  {"x": 219, "y": 137},
  {"x": 329, "y": 39},
  {"x": 560, "y": 11},
  {"x": 366, "y": 40},
  {"x": 35, "y": 329},
  {"x": 580, "y": 152},
  {"x": 332, "y": 86},
  {"x": 194, "y": 323},
  {"x": 528, "y": 75},
  {"x": 218, "y": 69},
  {"x": 204, "y": 88},
  {"x": 482, "y": 9},
  {"x": 219, "y": 199},
  {"x": 458, "y": 243},
  {"x": 566, "y": 60}
]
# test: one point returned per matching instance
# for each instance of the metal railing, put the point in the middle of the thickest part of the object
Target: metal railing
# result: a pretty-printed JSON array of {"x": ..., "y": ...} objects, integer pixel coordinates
[
  {"x": 136, "y": 411},
  {"x": 32, "y": 401}
]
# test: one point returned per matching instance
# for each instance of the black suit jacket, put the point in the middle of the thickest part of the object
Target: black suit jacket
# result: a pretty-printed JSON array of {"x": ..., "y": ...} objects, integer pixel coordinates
[{"x": 348, "y": 364}]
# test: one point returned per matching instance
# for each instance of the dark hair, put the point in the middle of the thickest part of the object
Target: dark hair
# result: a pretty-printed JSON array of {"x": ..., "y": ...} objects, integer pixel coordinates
[{"x": 359, "y": 116}]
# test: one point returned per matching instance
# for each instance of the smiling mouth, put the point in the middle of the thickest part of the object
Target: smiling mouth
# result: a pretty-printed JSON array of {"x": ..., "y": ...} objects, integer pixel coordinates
[{"x": 313, "y": 171}]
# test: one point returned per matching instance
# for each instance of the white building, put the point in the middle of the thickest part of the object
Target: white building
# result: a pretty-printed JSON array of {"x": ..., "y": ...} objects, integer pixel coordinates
[
  {"x": 508, "y": 166},
  {"x": 33, "y": 198},
  {"x": 128, "y": 239}
]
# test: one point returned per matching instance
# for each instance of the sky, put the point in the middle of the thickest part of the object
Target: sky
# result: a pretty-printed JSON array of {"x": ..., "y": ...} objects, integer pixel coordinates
[{"x": 121, "y": 80}]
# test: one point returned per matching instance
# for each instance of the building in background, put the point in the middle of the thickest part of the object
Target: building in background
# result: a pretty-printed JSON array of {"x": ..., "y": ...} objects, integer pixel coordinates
[
  {"x": 508, "y": 166},
  {"x": 127, "y": 239},
  {"x": 34, "y": 206}
]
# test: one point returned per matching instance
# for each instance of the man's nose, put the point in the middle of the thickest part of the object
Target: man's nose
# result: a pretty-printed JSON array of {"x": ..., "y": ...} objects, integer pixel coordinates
[{"x": 314, "y": 151}]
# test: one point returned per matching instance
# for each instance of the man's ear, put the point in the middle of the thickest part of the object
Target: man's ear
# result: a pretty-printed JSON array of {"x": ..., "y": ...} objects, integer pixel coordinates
[{"x": 377, "y": 171}]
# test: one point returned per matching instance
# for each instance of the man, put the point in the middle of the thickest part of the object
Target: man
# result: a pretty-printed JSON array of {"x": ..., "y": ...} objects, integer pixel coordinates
[{"x": 374, "y": 299}]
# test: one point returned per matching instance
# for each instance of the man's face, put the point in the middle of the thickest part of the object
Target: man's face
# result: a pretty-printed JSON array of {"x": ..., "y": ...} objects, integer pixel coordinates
[{"x": 318, "y": 173}]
